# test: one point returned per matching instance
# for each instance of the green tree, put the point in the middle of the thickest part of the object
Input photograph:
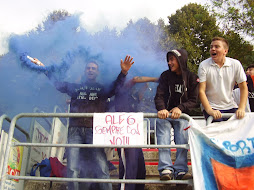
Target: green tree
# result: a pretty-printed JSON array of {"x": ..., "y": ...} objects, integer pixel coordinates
[
  {"x": 192, "y": 28},
  {"x": 237, "y": 15}
]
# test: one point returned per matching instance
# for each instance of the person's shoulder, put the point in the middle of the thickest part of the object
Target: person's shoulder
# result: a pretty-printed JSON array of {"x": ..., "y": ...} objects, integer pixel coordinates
[
  {"x": 165, "y": 76},
  {"x": 206, "y": 61},
  {"x": 232, "y": 60},
  {"x": 165, "y": 73}
]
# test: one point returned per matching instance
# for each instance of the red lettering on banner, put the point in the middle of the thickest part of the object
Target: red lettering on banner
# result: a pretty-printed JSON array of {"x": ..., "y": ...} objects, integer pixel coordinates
[
  {"x": 41, "y": 137},
  {"x": 113, "y": 142},
  {"x": 133, "y": 131},
  {"x": 112, "y": 130},
  {"x": 109, "y": 119},
  {"x": 118, "y": 129},
  {"x": 131, "y": 120},
  {"x": 120, "y": 140},
  {"x": 120, "y": 119}
]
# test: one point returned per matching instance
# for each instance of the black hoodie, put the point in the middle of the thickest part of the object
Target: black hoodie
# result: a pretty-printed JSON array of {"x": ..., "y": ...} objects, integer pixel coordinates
[{"x": 177, "y": 90}]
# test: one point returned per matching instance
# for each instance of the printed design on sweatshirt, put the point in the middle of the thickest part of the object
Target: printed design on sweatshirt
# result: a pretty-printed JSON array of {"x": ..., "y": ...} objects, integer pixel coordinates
[
  {"x": 251, "y": 95},
  {"x": 93, "y": 96},
  {"x": 179, "y": 88},
  {"x": 84, "y": 95},
  {"x": 88, "y": 88}
]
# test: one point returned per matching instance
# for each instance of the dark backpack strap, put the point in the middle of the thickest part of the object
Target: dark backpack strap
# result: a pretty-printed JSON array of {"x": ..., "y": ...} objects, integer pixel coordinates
[{"x": 34, "y": 168}]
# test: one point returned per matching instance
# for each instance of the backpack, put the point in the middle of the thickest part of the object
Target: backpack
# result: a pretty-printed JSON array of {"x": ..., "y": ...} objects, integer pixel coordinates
[
  {"x": 58, "y": 169},
  {"x": 51, "y": 167},
  {"x": 44, "y": 167}
]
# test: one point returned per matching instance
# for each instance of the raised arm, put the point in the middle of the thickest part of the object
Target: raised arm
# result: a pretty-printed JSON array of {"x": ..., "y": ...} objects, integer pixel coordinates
[
  {"x": 63, "y": 87},
  {"x": 140, "y": 79},
  {"x": 126, "y": 64},
  {"x": 119, "y": 82}
]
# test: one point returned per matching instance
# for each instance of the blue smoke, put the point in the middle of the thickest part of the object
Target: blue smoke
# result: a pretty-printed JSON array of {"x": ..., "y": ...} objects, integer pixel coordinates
[{"x": 64, "y": 47}]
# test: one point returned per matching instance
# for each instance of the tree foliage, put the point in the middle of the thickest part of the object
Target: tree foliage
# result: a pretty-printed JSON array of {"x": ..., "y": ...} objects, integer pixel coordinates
[
  {"x": 53, "y": 18},
  {"x": 237, "y": 15},
  {"x": 240, "y": 49},
  {"x": 192, "y": 28}
]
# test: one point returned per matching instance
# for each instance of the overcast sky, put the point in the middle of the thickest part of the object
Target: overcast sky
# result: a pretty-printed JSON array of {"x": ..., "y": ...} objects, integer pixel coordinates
[{"x": 21, "y": 16}]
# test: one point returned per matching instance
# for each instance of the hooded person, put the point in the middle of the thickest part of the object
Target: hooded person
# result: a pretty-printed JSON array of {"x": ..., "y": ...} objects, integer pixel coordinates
[
  {"x": 250, "y": 84},
  {"x": 176, "y": 93},
  {"x": 250, "y": 81}
]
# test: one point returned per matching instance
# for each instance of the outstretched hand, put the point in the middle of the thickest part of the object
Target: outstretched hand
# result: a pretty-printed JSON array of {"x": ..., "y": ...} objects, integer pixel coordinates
[{"x": 126, "y": 64}]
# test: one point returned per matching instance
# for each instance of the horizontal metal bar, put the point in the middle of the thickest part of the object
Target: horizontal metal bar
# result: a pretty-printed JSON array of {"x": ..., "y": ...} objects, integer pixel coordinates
[
  {"x": 224, "y": 115},
  {"x": 5, "y": 117},
  {"x": 185, "y": 146},
  {"x": 92, "y": 180},
  {"x": 146, "y": 115}
]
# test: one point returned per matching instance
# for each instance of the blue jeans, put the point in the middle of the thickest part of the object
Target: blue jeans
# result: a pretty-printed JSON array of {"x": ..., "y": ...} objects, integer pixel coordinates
[
  {"x": 86, "y": 162},
  {"x": 135, "y": 167},
  {"x": 163, "y": 133}
]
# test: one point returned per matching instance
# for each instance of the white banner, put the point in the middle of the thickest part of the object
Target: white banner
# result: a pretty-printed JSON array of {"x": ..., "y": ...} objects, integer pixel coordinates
[
  {"x": 118, "y": 128},
  {"x": 37, "y": 154},
  {"x": 59, "y": 137},
  {"x": 222, "y": 154}
]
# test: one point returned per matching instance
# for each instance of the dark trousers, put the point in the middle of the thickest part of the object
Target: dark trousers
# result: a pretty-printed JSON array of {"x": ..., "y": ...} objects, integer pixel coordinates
[{"x": 135, "y": 167}]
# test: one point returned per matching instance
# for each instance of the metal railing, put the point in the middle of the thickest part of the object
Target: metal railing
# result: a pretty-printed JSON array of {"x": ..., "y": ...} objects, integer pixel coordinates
[
  {"x": 5, "y": 117},
  {"x": 28, "y": 139},
  {"x": 224, "y": 115},
  {"x": 5, "y": 176}
]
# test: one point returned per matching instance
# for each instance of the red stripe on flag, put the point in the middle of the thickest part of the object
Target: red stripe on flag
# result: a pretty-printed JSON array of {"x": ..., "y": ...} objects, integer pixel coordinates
[{"x": 146, "y": 163}]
